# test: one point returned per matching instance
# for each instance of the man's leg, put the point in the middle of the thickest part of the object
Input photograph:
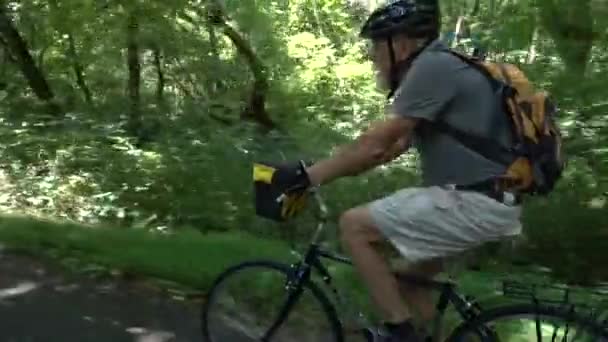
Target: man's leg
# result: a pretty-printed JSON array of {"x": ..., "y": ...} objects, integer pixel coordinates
[
  {"x": 420, "y": 299},
  {"x": 422, "y": 224},
  {"x": 358, "y": 234}
]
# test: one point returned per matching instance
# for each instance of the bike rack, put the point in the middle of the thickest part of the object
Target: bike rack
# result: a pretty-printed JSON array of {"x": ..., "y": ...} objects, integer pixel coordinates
[{"x": 593, "y": 302}]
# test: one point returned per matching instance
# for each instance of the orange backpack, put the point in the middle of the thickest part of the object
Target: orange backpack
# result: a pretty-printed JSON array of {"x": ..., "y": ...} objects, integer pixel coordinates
[{"x": 536, "y": 162}]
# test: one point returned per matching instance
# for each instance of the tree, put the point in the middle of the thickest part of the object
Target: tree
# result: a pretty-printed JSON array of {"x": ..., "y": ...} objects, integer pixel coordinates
[
  {"x": 134, "y": 67},
  {"x": 571, "y": 26},
  {"x": 71, "y": 53},
  {"x": 18, "y": 49},
  {"x": 256, "y": 106}
]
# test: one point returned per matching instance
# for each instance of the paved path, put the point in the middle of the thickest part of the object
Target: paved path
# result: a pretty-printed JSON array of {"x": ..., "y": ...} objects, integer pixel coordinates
[{"x": 39, "y": 303}]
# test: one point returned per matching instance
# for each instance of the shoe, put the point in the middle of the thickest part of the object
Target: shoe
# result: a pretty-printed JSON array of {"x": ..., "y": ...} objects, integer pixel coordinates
[
  {"x": 397, "y": 338},
  {"x": 404, "y": 333}
]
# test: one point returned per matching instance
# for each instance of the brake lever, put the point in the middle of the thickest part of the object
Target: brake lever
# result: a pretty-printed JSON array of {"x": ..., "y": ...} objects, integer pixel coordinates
[{"x": 293, "y": 189}]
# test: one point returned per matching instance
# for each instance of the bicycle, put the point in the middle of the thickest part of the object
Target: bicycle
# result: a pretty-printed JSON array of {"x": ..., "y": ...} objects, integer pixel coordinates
[{"x": 297, "y": 280}]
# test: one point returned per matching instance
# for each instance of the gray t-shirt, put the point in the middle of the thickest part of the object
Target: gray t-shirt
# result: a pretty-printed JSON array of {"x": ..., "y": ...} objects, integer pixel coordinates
[{"x": 440, "y": 85}]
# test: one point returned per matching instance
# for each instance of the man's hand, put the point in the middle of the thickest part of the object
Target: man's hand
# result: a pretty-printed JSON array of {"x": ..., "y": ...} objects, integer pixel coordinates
[
  {"x": 292, "y": 177},
  {"x": 382, "y": 142}
]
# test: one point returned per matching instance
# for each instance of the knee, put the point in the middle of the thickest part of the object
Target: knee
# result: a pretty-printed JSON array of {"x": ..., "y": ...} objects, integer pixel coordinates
[{"x": 351, "y": 226}]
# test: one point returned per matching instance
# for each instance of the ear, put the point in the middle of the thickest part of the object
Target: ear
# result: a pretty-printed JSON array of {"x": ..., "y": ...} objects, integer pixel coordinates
[{"x": 402, "y": 46}]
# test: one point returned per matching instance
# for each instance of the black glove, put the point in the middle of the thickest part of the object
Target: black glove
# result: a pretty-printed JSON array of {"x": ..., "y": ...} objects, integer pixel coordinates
[
  {"x": 292, "y": 178},
  {"x": 281, "y": 189}
]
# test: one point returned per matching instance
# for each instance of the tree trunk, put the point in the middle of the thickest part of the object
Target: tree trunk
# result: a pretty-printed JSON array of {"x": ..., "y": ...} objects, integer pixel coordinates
[
  {"x": 8, "y": 55},
  {"x": 5, "y": 60},
  {"x": 213, "y": 41},
  {"x": 73, "y": 56},
  {"x": 532, "y": 50},
  {"x": 133, "y": 65},
  {"x": 214, "y": 84},
  {"x": 19, "y": 50},
  {"x": 160, "y": 85},
  {"x": 256, "y": 107},
  {"x": 457, "y": 30},
  {"x": 315, "y": 9},
  {"x": 41, "y": 56},
  {"x": 463, "y": 6},
  {"x": 78, "y": 70},
  {"x": 571, "y": 26},
  {"x": 476, "y": 8}
]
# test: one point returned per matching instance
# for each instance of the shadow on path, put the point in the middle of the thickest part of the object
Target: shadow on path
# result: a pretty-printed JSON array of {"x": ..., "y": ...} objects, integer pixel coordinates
[{"x": 41, "y": 304}]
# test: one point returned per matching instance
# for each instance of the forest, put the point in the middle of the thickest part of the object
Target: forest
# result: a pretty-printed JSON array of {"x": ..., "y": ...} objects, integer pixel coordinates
[{"x": 144, "y": 117}]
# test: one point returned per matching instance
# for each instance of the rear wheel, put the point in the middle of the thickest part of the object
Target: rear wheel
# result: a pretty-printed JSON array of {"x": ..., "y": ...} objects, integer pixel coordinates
[
  {"x": 253, "y": 302},
  {"x": 529, "y": 322}
]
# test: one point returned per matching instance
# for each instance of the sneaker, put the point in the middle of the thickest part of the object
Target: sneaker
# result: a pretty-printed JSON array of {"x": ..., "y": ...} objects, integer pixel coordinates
[
  {"x": 398, "y": 338},
  {"x": 403, "y": 332}
]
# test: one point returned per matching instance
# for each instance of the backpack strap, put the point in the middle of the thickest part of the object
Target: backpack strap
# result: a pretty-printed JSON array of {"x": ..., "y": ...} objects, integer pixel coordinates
[
  {"x": 488, "y": 148},
  {"x": 472, "y": 62},
  {"x": 505, "y": 74}
]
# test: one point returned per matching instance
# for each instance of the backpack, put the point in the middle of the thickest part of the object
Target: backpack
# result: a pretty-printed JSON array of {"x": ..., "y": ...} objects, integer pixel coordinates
[{"x": 535, "y": 162}]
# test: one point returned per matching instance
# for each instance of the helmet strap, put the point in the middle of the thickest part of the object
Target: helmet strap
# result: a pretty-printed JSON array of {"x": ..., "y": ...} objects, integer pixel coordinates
[
  {"x": 394, "y": 77},
  {"x": 398, "y": 69}
]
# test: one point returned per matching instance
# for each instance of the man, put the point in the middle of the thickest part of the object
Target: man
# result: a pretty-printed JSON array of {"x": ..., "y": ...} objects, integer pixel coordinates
[{"x": 459, "y": 205}]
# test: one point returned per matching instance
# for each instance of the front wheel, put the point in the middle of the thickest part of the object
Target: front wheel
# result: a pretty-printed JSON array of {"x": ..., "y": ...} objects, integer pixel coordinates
[
  {"x": 530, "y": 322},
  {"x": 253, "y": 302}
]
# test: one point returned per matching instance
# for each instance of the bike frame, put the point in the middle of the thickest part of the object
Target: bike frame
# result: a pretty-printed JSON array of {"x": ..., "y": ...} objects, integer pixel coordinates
[{"x": 311, "y": 262}]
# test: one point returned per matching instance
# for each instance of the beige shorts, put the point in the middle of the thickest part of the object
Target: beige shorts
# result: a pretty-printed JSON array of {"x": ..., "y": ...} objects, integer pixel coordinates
[{"x": 426, "y": 223}]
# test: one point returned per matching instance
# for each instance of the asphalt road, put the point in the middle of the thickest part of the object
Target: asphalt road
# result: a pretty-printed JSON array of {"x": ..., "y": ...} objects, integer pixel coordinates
[{"x": 39, "y": 303}]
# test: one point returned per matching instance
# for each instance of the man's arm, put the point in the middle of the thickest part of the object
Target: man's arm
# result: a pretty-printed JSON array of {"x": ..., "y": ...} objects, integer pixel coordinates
[{"x": 381, "y": 143}]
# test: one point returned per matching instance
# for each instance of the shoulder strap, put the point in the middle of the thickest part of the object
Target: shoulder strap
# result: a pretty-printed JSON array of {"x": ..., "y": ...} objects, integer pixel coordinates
[
  {"x": 488, "y": 148},
  {"x": 505, "y": 74},
  {"x": 475, "y": 65}
]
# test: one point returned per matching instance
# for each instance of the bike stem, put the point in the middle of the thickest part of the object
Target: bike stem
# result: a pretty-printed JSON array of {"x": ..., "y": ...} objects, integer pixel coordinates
[{"x": 322, "y": 216}]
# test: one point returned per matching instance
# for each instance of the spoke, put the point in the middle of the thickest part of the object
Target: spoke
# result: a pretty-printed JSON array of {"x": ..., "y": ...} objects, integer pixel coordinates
[
  {"x": 577, "y": 334},
  {"x": 565, "y": 339},
  {"x": 539, "y": 336},
  {"x": 555, "y": 330}
]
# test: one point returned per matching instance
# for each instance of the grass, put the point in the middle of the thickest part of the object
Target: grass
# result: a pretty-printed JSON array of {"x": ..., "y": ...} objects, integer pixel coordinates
[{"x": 188, "y": 257}]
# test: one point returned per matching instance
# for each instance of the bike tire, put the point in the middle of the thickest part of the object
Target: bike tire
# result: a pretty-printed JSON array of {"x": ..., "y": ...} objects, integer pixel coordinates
[
  {"x": 326, "y": 306},
  {"x": 495, "y": 314}
]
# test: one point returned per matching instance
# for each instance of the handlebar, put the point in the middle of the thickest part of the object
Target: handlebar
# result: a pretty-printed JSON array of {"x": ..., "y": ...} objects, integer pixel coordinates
[
  {"x": 323, "y": 212},
  {"x": 321, "y": 206},
  {"x": 323, "y": 215}
]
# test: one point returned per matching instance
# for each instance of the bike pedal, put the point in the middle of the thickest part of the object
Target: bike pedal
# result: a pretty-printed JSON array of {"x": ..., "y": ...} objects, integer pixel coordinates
[{"x": 372, "y": 336}]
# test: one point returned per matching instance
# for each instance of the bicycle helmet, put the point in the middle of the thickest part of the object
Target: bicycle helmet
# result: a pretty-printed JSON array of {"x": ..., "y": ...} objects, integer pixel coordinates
[{"x": 414, "y": 18}]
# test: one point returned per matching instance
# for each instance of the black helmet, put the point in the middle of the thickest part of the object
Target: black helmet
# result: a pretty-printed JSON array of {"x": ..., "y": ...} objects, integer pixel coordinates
[{"x": 415, "y": 18}]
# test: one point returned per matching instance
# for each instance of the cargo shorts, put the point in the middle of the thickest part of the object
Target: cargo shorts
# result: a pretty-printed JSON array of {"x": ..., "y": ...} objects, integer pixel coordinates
[{"x": 436, "y": 222}]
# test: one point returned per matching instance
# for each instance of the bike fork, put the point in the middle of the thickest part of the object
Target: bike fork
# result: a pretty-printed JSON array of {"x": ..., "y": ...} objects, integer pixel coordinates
[
  {"x": 283, "y": 313},
  {"x": 295, "y": 288}
]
